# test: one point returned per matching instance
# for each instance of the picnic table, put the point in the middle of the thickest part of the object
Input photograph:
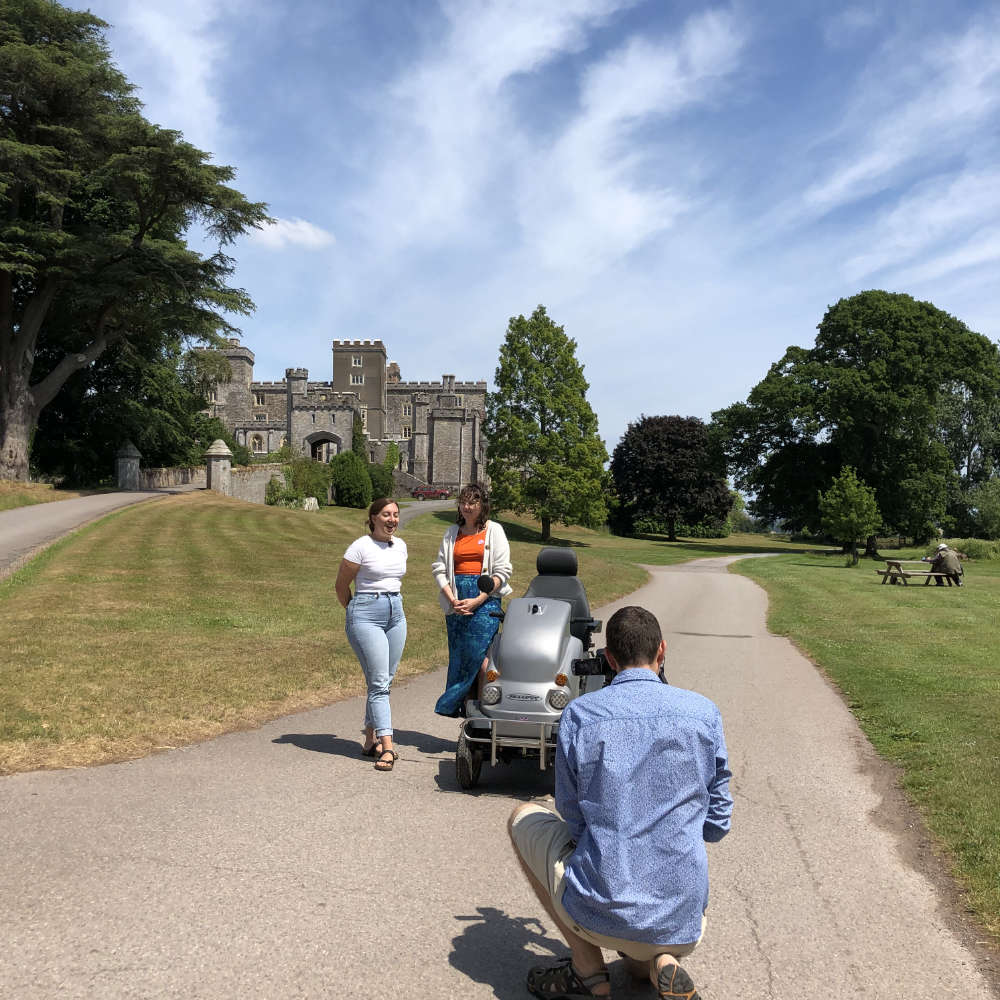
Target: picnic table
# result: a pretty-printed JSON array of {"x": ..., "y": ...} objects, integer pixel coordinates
[{"x": 894, "y": 572}]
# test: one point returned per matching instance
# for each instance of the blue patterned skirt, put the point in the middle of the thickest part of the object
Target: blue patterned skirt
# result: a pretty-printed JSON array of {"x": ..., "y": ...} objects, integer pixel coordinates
[{"x": 469, "y": 636}]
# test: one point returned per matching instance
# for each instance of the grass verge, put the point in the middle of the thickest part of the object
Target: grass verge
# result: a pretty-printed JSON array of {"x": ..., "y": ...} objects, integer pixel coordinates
[
  {"x": 15, "y": 494},
  {"x": 918, "y": 667}
]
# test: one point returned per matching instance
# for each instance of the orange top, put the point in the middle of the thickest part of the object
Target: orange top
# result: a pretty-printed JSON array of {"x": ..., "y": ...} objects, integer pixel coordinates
[{"x": 469, "y": 552}]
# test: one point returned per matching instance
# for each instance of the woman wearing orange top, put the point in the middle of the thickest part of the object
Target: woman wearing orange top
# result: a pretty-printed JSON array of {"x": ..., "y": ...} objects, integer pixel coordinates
[{"x": 473, "y": 547}]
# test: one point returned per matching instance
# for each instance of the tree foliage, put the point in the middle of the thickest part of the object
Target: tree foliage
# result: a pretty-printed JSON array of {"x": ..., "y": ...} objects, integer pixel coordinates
[
  {"x": 848, "y": 510},
  {"x": 359, "y": 441},
  {"x": 545, "y": 455},
  {"x": 383, "y": 485},
  {"x": 872, "y": 393},
  {"x": 667, "y": 470},
  {"x": 94, "y": 205},
  {"x": 352, "y": 486}
]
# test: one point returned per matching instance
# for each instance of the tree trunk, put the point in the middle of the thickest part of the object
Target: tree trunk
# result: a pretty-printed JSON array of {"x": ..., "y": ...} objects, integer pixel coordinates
[
  {"x": 17, "y": 422},
  {"x": 546, "y": 528},
  {"x": 871, "y": 547},
  {"x": 671, "y": 529},
  {"x": 854, "y": 554}
]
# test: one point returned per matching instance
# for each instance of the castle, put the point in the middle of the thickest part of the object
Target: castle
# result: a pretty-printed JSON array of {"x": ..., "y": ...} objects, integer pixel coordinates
[{"x": 437, "y": 426}]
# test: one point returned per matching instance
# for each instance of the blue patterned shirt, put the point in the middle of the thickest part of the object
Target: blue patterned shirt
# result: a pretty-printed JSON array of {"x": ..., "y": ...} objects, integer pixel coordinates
[{"x": 642, "y": 779}]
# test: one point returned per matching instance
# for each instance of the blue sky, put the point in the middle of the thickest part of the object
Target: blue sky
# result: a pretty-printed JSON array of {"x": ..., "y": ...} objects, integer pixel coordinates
[{"x": 685, "y": 186}]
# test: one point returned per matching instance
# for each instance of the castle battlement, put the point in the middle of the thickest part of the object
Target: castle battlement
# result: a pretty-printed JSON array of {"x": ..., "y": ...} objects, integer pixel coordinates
[
  {"x": 296, "y": 373},
  {"x": 359, "y": 343},
  {"x": 431, "y": 386}
]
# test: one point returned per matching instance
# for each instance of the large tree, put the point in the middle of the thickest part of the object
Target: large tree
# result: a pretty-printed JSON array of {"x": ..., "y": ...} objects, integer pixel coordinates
[
  {"x": 871, "y": 393},
  {"x": 545, "y": 455},
  {"x": 94, "y": 206},
  {"x": 667, "y": 469}
]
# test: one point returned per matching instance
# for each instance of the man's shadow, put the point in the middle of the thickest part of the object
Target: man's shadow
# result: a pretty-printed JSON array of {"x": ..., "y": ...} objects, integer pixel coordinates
[{"x": 497, "y": 949}]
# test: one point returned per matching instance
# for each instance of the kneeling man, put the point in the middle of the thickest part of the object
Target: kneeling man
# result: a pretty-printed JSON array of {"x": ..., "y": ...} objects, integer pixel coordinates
[{"x": 642, "y": 781}]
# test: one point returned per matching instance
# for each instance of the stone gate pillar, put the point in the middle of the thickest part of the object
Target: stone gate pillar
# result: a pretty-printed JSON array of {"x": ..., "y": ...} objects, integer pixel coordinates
[
  {"x": 127, "y": 466},
  {"x": 219, "y": 460}
]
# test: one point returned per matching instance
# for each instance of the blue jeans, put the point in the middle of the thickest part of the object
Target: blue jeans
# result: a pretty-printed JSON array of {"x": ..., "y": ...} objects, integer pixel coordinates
[{"x": 376, "y": 630}]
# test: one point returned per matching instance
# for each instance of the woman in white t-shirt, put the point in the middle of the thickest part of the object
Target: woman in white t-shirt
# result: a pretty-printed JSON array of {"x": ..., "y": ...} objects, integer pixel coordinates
[{"x": 376, "y": 625}]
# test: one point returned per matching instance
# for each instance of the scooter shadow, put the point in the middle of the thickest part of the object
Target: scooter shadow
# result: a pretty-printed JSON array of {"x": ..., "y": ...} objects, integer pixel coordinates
[
  {"x": 522, "y": 780},
  {"x": 498, "y": 950}
]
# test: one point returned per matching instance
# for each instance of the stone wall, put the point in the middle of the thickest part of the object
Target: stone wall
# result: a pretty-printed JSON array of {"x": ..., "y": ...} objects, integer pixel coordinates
[
  {"x": 249, "y": 482},
  {"x": 157, "y": 479}
]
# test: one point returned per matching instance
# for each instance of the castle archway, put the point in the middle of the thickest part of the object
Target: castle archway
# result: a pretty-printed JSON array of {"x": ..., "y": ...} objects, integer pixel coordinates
[{"x": 323, "y": 445}]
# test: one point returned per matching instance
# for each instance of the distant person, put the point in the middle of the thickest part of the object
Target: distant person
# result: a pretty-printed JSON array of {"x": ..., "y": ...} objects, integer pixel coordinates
[
  {"x": 642, "y": 782},
  {"x": 472, "y": 547},
  {"x": 946, "y": 560},
  {"x": 376, "y": 626}
]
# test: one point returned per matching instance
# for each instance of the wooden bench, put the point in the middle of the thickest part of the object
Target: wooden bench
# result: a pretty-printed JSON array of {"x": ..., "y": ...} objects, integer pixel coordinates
[{"x": 894, "y": 572}]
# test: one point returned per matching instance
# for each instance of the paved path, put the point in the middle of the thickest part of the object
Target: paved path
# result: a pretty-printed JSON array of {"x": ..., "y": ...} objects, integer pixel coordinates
[
  {"x": 278, "y": 864},
  {"x": 25, "y": 531}
]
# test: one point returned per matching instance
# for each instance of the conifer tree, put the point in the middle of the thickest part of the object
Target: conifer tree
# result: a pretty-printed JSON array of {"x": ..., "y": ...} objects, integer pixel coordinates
[{"x": 545, "y": 455}]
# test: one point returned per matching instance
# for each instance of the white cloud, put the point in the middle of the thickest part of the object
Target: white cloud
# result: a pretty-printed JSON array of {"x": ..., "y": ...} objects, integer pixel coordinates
[
  {"x": 291, "y": 232},
  {"x": 583, "y": 204},
  {"x": 930, "y": 220},
  {"x": 917, "y": 106},
  {"x": 173, "y": 52}
]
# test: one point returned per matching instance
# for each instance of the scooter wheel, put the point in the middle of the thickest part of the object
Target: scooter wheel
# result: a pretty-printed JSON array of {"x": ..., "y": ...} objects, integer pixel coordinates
[{"x": 468, "y": 763}]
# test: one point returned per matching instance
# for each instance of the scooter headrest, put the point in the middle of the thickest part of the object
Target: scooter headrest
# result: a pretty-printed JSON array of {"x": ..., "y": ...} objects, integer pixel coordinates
[{"x": 556, "y": 562}]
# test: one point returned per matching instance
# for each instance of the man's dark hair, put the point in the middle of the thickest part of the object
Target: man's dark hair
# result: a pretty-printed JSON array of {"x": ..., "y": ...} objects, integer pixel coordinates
[{"x": 633, "y": 637}]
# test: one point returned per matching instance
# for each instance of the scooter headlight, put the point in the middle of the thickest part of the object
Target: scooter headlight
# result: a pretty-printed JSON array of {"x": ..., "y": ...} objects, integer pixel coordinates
[
  {"x": 490, "y": 695},
  {"x": 558, "y": 698}
]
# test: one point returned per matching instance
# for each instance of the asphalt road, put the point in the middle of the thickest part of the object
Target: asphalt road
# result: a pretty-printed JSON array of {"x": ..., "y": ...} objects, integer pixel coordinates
[{"x": 277, "y": 863}]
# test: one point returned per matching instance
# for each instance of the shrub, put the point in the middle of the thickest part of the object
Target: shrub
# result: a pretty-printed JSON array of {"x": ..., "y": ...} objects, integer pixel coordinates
[
  {"x": 976, "y": 548},
  {"x": 352, "y": 486},
  {"x": 383, "y": 485}
]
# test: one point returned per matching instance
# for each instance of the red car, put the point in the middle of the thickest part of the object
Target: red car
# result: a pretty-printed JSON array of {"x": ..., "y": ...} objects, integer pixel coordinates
[{"x": 430, "y": 493}]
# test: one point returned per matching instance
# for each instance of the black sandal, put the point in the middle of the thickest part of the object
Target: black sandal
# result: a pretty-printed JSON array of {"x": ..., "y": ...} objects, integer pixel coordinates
[
  {"x": 563, "y": 982},
  {"x": 386, "y": 765},
  {"x": 673, "y": 983},
  {"x": 371, "y": 751}
]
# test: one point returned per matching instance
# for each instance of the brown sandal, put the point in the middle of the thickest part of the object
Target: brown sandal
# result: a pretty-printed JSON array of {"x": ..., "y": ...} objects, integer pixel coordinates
[
  {"x": 673, "y": 983},
  {"x": 386, "y": 765}
]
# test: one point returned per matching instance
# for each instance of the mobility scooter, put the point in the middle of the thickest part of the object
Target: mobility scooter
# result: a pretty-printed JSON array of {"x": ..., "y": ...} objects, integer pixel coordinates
[{"x": 540, "y": 660}]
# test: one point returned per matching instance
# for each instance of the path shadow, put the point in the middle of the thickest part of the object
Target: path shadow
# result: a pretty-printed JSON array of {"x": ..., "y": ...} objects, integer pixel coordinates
[
  {"x": 322, "y": 743},
  {"x": 329, "y": 743}
]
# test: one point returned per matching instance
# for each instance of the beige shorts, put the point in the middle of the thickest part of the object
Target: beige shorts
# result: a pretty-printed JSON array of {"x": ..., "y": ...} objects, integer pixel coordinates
[{"x": 543, "y": 840}]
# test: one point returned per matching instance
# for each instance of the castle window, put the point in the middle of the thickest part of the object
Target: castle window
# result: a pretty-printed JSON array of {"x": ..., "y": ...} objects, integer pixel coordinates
[
  {"x": 260, "y": 417},
  {"x": 258, "y": 399},
  {"x": 213, "y": 396},
  {"x": 357, "y": 379},
  {"x": 406, "y": 430},
  {"x": 460, "y": 401},
  {"x": 257, "y": 444},
  {"x": 407, "y": 409},
  {"x": 364, "y": 419},
  {"x": 371, "y": 457},
  {"x": 356, "y": 360}
]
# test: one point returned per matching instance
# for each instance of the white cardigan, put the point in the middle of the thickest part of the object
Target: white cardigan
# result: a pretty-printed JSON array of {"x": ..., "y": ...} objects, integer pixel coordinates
[{"x": 496, "y": 562}]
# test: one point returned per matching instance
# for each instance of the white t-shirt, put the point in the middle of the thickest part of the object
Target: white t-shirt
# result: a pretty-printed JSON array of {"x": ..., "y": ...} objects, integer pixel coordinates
[{"x": 382, "y": 566}]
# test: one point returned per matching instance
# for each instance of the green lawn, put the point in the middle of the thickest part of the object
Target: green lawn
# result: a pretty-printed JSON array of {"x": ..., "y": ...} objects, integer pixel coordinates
[{"x": 919, "y": 668}]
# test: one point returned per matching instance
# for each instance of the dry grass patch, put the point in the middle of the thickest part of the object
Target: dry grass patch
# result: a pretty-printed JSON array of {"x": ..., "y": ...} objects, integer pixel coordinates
[{"x": 15, "y": 494}]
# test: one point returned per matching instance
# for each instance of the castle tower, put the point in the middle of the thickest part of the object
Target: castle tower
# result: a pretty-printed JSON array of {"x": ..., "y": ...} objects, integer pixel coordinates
[{"x": 359, "y": 367}]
